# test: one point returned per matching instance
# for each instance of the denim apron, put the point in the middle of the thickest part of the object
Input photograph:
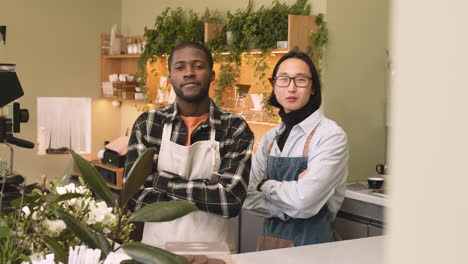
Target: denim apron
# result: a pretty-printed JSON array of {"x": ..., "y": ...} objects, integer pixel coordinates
[{"x": 294, "y": 231}]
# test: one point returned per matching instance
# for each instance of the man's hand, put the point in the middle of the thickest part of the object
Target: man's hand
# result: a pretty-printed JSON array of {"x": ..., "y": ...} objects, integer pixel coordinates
[{"x": 302, "y": 174}]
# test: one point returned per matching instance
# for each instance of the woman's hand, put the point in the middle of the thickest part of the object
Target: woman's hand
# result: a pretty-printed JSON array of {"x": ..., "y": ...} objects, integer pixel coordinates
[{"x": 302, "y": 174}]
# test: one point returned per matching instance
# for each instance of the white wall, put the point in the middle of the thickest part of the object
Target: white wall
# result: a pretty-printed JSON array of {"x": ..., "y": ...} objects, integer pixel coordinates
[{"x": 429, "y": 212}]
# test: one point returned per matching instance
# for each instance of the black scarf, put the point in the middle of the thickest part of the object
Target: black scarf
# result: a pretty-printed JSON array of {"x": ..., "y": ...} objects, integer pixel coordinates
[{"x": 293, "y": 118}]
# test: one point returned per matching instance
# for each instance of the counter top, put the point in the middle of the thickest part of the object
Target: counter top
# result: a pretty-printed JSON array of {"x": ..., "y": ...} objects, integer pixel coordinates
[
  {"x": 356, "y": 251},
  {"x": 359, "y": 191}
]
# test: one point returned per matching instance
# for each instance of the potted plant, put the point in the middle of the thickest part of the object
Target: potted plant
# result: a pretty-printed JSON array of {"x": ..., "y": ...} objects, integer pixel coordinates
[
  {"x": 57, "y": 218},
  {"x": 157, "y": 212}
]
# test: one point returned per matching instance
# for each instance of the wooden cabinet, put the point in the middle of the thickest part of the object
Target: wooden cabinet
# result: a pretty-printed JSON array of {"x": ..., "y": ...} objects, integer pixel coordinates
[
  {"x": 358, "y": 219},
  {"x": 113, "y": 176}
]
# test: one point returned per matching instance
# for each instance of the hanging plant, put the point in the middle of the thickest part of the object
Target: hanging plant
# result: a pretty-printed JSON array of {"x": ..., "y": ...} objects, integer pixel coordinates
[
  {"x": 320, "y": 39},
  {"x": 250, "y": 29},
  {"x": 172, "y": 27}
]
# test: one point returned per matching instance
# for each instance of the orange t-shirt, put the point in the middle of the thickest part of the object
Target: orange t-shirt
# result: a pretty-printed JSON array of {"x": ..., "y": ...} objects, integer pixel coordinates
[{"x": 192, "y": 122}]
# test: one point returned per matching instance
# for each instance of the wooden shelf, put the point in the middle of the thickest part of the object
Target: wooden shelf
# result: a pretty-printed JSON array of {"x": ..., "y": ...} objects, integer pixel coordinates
[
  {"x": 122, "y": 56},
  {"x": 298, "y": 29},
  {"x": 137, "y": 56},
  {"x": 105, "y": 170},
  {"x": 256, "y": 51},
  {"x": 252, "y": 116},
  {"x": 128, "y": 64}
]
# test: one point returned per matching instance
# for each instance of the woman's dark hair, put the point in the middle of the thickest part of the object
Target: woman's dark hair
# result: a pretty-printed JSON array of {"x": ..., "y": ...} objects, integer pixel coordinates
[
  {"x": 192, "y": 44},
  {"x": 316, "y": 98}
]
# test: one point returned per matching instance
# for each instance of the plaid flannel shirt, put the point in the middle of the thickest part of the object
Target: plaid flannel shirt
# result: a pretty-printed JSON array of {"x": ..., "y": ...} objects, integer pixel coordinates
[{"x": 226, "y": 194}]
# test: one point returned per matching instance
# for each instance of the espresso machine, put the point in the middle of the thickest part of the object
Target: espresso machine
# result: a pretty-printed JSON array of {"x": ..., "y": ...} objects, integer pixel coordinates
[{"x": 11, "y": 116}]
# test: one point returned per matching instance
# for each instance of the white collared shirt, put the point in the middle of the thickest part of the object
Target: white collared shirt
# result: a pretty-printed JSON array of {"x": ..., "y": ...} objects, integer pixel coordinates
[{"x": 323, "y": 184}]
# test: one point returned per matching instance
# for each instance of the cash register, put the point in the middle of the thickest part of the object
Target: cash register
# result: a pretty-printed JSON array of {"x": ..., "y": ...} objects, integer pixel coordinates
[{"x": 111, "y": 164}]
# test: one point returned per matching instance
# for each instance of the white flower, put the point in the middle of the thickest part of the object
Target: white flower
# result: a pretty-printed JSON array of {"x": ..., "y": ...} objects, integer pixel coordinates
[
  {"x": 83, "y": 254},
  {"x": 109, "y": 217},
  {"x": 82, "y": 189},
  {"x": 61, "y": 190},
  {"x": 116, "y": 257},
  {"x": 55, "y": 227},
  {"x": 77, "y": 203},
  {"x": 39, "y": 259},
  {"x": 26, "y": 211},
  {"x": 100, "y": 213},
  {"x": 71, "y": 188}
]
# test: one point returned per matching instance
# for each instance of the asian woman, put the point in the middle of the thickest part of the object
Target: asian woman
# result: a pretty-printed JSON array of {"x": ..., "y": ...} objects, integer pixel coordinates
[{"x": 298, "y": 175}]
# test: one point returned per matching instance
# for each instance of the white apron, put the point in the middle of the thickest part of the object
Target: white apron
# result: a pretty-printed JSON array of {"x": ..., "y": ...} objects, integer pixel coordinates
[{"x": 197, "y": 161}]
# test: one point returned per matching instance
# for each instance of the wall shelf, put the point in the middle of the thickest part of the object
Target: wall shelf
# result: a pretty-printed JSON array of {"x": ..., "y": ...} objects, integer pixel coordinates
[
  {"x": 123, "y": 56},
  {"x": 298, "y": 29}
]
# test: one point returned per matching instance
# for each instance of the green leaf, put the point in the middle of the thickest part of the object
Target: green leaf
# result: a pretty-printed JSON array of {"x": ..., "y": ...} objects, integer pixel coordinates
[
  {"x": 4, "y": 232},
  {"x": 152, "y": 255},
  {"x": 57, "y": 249},
  {"x": 52, "y": 197},
  {"x": 163, "y": 211},
  {"x": 16, "y": 203},
  {"x": 129, "y": 261},
  {"x": 137, "y": 175},
  {"x": 80, "y": 229},
  {"x": 30, "y": 199},
  {"x": 105, "y": 246},
  {"x": 25, "y": 258},
  {"x": 93, "y": 178},
  {"x": 69, "y": 196}
]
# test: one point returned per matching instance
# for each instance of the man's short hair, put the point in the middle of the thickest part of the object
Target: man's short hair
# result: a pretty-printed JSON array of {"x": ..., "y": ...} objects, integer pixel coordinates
[{"x": 192, "y": 44}]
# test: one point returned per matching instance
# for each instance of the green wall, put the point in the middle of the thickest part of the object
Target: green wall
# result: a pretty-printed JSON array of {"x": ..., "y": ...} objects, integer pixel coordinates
[
  {"x": 355, "y": 79},
  {"x": 55, "y": 44}
]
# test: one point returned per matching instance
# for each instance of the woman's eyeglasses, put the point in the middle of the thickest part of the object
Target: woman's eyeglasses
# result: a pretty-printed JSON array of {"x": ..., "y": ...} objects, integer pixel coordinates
[{"x": 284, "y": 81}]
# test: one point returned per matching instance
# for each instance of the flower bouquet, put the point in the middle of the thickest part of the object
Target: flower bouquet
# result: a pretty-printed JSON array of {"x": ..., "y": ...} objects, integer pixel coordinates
[{"x": 60, "y": 220}]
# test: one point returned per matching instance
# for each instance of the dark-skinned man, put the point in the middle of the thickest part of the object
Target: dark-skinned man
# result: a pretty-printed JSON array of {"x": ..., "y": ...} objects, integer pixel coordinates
[{"x": 203, "y": 155}]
